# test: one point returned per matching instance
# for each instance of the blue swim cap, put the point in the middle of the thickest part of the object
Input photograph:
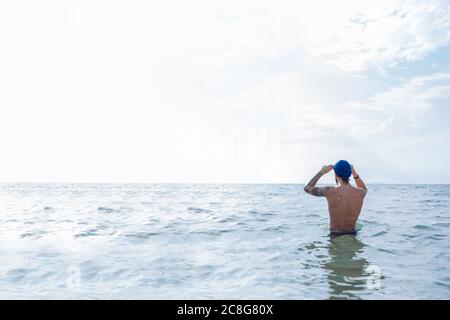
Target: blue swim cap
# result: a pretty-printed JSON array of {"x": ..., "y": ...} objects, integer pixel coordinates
[{"x": 343, "y": 169}]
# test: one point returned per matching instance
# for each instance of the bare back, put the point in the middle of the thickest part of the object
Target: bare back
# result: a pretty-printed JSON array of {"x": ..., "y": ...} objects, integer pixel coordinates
[
  {"x": 344, "y": 201},
  {"x": 344, "y": 206}
]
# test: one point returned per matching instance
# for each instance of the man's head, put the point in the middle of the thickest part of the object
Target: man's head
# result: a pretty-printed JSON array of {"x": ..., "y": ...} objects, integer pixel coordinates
[{"x": 343, "y": 171}]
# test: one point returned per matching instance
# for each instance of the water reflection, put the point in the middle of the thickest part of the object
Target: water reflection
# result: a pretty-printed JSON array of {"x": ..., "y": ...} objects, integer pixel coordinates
[{"x": 346, "y": 267}]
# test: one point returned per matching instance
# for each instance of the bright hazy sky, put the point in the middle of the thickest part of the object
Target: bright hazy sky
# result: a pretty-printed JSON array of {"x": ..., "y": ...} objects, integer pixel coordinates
[{"x": 223, "y": 91}]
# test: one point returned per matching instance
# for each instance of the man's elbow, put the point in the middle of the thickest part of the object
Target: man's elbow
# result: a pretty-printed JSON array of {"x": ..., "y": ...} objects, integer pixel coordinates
[{"x": 307, "y": 189}]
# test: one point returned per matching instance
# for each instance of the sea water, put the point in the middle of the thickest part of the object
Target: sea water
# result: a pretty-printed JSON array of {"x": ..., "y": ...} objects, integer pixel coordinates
[{"x": 262, "y": 241}]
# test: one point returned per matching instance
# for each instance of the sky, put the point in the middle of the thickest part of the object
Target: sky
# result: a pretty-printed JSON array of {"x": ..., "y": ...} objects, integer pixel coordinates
[{"x": 224, "y": 91}]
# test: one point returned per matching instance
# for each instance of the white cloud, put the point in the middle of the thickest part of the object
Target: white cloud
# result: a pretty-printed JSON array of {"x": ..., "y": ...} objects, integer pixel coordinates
[
  {"x": 357, "y": 35},
  {"x": 405, "y": 107},
  {"x": 413, "y": 99},
  {"x": 353, "y": 35}
]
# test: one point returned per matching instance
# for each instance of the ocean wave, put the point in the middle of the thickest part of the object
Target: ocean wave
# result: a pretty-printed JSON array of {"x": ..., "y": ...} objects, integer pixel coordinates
[
  {"x": 278, "y": 228},
  {"x": 215, "y": 232},
  {"x": 421, "y": 227},
  {"x": 198, "y": 210},
  {"x": 33, "y": 234},
  {"x": 380, "y": 233},
  {"x": 87, "y": 233},
  {"x": 441, "y": 224},
  {"x": 141, "y": 235},
  {"x": 108, "y": 210}
]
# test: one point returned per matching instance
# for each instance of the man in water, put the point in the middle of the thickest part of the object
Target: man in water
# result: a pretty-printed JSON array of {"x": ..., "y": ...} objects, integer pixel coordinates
[{"x": 344, "y": 201}]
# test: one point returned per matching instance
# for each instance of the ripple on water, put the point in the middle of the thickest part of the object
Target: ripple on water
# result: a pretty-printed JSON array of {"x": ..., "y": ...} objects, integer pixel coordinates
[
  {"x": 311, "y": 215},
  {"x": 380, "y": 233},
  {"x": 386, "y": 250},
  {"x": 141, "y": 235},
  {"x": 421, "y": 227},
  {"x": 441, "y": 224},
  {"x": 96, "y": 231},
  {"x": 436, "y": 237},
  {"x": 87, "y": 233},
  {"x": 430, "y": 201},
  {"x": 18, "y": 274},
  {"x": 212, "y": 232},
  {"x": 107, "y": 210},
  {"x": 34, "y": 234},
  {"x": 198, "y": 210},
  {"x": 278, "y": 228}
]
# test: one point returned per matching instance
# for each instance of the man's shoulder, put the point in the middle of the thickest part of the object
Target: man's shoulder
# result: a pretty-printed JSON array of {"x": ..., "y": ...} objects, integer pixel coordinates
[
  {"x": 330, "y": 190},
  {"x": 360, "y": 191}
]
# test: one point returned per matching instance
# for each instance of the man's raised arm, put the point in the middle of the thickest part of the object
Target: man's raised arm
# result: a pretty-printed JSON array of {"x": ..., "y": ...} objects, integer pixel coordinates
[
  {"x": 358, "y": 181},
  {"x": 311, "y": 188}
]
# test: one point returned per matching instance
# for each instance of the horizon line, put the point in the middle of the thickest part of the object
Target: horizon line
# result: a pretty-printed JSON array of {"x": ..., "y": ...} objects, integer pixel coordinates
[{"x": 214, "y": 183}]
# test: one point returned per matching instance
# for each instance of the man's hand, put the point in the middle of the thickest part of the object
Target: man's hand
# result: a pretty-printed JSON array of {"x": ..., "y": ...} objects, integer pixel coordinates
[
  {"x": 326, "y": 168},
  {"x": 354, "y": 174},
  {"x": 359, "y": 183},
  {"x": 311, "y": 188}
]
